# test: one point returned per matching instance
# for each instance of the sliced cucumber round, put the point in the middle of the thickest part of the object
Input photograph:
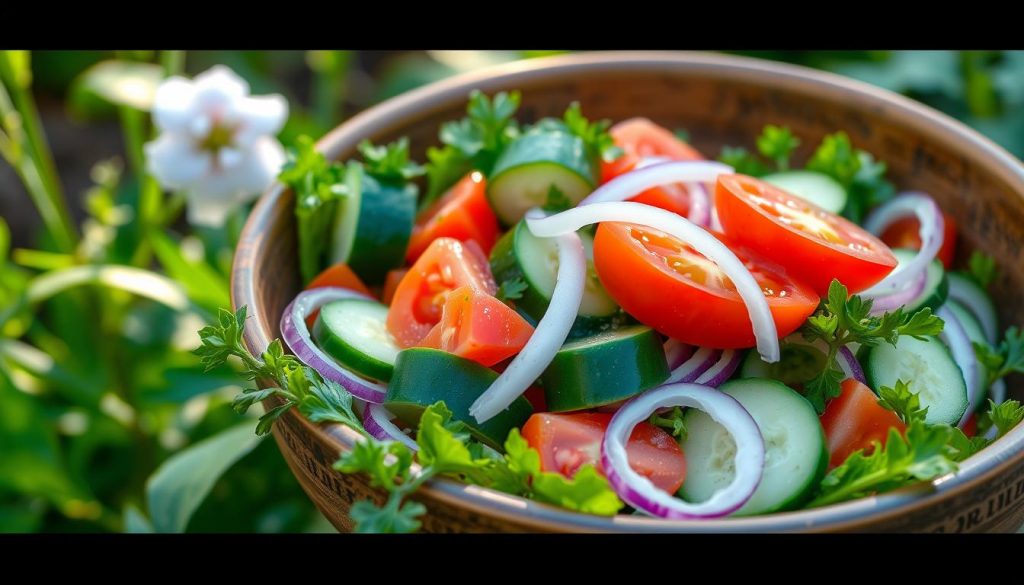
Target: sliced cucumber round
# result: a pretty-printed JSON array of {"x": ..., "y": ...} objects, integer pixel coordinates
[
  {"x": 424, "y": 376},
  {"x": 540, "y": 159},
  {"x": 796, "y": 454},
  {"x": 354, "y": 333},
  {"x": 604, "y": 369},
  {"x": 976, "y": 300},
  {"x": 799, "y": 361},
  {"x": 927, "y": 366},
  {"x": 373, "y": 224},
  {"x": 936, "y": 286},
  {"x": 811, "y": 186}
]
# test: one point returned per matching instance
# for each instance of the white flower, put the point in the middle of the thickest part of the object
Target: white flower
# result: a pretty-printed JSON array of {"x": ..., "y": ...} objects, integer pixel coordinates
[{"x": 216, "y": 142}]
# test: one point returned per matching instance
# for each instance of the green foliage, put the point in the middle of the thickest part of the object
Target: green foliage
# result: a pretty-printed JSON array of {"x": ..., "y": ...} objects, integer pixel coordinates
[
  {"x": 777, "y": 144},
  {"x": 1005, "y": 359},
  {"x": 510, "y": 290},
  {"x": 595, "y": 135},
  {"x": 906, "y": 404},
  {"x": 556, "y": 200},
  {"x": 844, "y": 319},
  {"x": 391, "y": 162},
  {"x": 981, "y": 268}
]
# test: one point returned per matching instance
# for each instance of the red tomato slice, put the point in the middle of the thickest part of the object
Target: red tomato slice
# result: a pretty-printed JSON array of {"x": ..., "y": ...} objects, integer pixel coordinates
[
  {"x": 906, "y": 233},
  {"x": 479, "y": 327},
  {"x": 639, "y": 137},
  {"x": 338, "y": 275},
  {"x": 391, "y": 282},
  {"x": 971, "y": 425},
  {"x": 462, "y": 213},
  {"x": 568, "y": 441},
  {"x": 444, "y": 266},
  {"x": 812, "y": 244},
  {"x": 854, "y": 419},
  {"x": 667, "y": 285}
]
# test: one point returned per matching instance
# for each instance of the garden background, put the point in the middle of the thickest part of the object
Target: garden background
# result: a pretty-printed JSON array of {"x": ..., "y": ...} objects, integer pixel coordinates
[{"x": 107, "y": 420}]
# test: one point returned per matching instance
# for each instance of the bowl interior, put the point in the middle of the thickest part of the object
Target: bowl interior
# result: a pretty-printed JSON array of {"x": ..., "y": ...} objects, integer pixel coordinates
[{"x": 718, "y": 101}]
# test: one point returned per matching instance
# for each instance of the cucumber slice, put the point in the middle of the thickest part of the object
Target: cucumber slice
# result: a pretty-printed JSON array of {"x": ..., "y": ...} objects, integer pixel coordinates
[
  {"x": 799, "y": 361},
  {"x": 817, "y": 188},
  {"x": 354, "y": 333},
  {"x": 519, "y": 255},
  {"x": 604, "y": 369},
  {"x": 423, "y": 376},
  {"x": 976, "y": 335},
  {"x": 936, "y": 286},
  {"x": 976, "y": 300},
  {"x": 929, "y": 369},
  {"x": 373, "y": 224},
  {"x": 525, "y": 172},
  {"x": 796, "y": 453}
]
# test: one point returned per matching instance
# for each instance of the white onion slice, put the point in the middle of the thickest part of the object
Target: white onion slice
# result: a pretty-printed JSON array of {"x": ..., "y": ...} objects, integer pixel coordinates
[
  {"x": 932, "y": 225},
  {"x": 700, "y": 204},
  {"x": 377, "y": 422},
  {"x": 637, "y": 213},
  {"x": 638, "y": 491},
  {"x": 296, "y": 334},
  {"x": 549, "y": 335},
  {"x": 959, "y": 343},
  {"x": 649, "y": 176}
]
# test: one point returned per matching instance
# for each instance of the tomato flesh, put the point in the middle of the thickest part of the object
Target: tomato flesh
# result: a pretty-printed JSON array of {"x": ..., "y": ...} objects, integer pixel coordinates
[
  {"x": 479, "y": 327},
  {"x": 391, "y": 281},
  {"x": 667, "y": 285},
  {"x": 566, "y": 442},
  {"x": 639, "y": 138},
  {"x": 906, "y": 233},
  {"x": 854, "y": 420},
  {"x": 813, "y": 245},
  {"x": 419, "y": 298},
  {"x": 462, "y": 213}
]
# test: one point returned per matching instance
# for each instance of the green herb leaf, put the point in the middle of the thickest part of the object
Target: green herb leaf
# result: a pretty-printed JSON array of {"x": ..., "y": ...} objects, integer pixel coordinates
[
  {"x": 903, "y": 402},
  {"x": 511, "y": 290},
  {"x": 777, "y": 144},
  {"x": 1005, "y": 359},
  {"x": 824, "y": 387},
  {"x": 485, "y": 132},
  {"x": 595, "y": 135},
  {"x": 743, "y": 161},
  {"x": 672, "y": 421},
  {"x": 391, "y": 162},
  {"x": 392, "y": 518},
  {"x": 981, "y": 269},
  {"x": 556, "y": 200},
  {"x": 443, "y": 444},
  {"x": 836, "y": 158},
  {"x": 445, "y": 166},
  {"x": 1003, "y": 416}
]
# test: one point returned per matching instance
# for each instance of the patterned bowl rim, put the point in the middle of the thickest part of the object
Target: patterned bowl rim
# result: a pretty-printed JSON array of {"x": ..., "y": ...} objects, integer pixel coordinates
[{"x": 398, "y": 111}]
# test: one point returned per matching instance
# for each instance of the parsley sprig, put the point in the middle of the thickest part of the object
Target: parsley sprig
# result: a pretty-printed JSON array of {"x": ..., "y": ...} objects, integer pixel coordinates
[
  {"x": 446, "y": 449},
  {"x": 298, "y": 385},
  {"x": 390, "y": 162},
  {"x": 595, "y": 136},
  {"x": 899, "y": 399},
  {"x": 1005, "y": 359},
  {"x": 981, "y": 268},
  {"x": 843, "y": 320}
]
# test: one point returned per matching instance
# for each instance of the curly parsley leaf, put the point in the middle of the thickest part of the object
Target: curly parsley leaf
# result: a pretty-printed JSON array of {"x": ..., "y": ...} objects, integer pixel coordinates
[
  {"x": 837, "y": 158},
  {"x": 395, "y": 517},
  {"x": 511, "y": 290},
  {"x": 445, "y": 166},
  {"x": 743, "y": 161},
  {"x": 922, "y": 455},
  {"x": 595, "y": 135},
  {"x": 1005, "y": 359},
  {"x": 486, "y": 130},
  {"x": 318, "y": 186},
  {"x": 903, "y": 402},
  {"x": 777, "y": 144},
  {"x": 671, "y": 421},
  {"x": 296, "y": 384},
  {"x": 842, "y": 320},
  {"x": 856, "y": 170},
  {"x": 391, "y": 162},
  {"x": 1003, "y": 416},
  {"x": 981, "y": 268}
]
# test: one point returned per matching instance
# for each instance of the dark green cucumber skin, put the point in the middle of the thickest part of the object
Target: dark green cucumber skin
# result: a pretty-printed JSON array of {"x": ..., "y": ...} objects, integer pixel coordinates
[
  {"x": 424, "y": 376},
  {"x": 606, "y": 373},
  {"x": 533, "y": 304},
  {"x": 386, "y": 215},
  {"x": 334, "y": 347}
]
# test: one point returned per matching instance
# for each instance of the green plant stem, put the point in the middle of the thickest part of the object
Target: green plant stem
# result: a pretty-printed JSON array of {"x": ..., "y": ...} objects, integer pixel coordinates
[{"x": 173, "y": 62}]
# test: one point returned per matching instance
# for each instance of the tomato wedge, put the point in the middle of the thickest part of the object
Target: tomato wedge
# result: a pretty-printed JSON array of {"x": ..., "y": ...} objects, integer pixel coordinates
[
  {"x": 906, "y": 233},
  {"x": 479, "y": 327},
  {"x": 813, "y": 245},
  {"x": 444, "y": 266},
  {"x": 568, "y": 441},
  {"x": 667, "y": 285},
  {"x": 391, "y": 281},
  {"x": 854, "y": 419},
  {"x": 338, "y": 275},
  {"x": 640, "y": 137},
  {"x": 462, "y": 213}
]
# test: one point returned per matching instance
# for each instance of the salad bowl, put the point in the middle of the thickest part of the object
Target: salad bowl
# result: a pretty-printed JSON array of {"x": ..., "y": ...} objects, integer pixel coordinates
[{"x": 720, "y": 100}]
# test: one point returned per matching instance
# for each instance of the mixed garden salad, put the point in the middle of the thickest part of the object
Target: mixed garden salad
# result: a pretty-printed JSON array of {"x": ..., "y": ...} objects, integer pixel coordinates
[{"x": 600, "y": 318}]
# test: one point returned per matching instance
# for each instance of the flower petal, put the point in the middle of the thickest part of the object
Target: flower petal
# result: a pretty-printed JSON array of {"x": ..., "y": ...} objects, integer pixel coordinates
[
  {"x": 173, "y": 104},
  {"x": 217, "y": 91},
  {"x": 224, "y": 80},
  {"x": 211, "y": 199},
  {"x": 259, "y": 116},
  {"x": 175, "y": 162},
  {"x": 261, "y": 165}
]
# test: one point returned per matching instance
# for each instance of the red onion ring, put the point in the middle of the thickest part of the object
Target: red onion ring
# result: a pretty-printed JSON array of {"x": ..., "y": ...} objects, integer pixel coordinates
[
  {"x": 959, "y": 343},
  {"x": 649, "y": 176},
  {"x": 676, "y": 353},
  {"x": 849, "y": 365},
  {"x": 296, "y": 336},
  {"x": 932, "y": 224},
  {"x": 697, "y": 364},
  {"x": 723, "y": 369},
  {"x": 549, "y": 335},
  {"x": 700, "y": 204},
  {"x": 377, "y": 422},
  {"x": 638, "y": 491},
  {"x": 884, "y": 303}
]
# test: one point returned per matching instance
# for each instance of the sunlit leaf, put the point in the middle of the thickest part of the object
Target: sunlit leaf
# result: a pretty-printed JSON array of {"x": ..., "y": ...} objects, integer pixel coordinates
[
  {"x": 16, "y": 67},
  {"x": 122, "y": 83}
]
